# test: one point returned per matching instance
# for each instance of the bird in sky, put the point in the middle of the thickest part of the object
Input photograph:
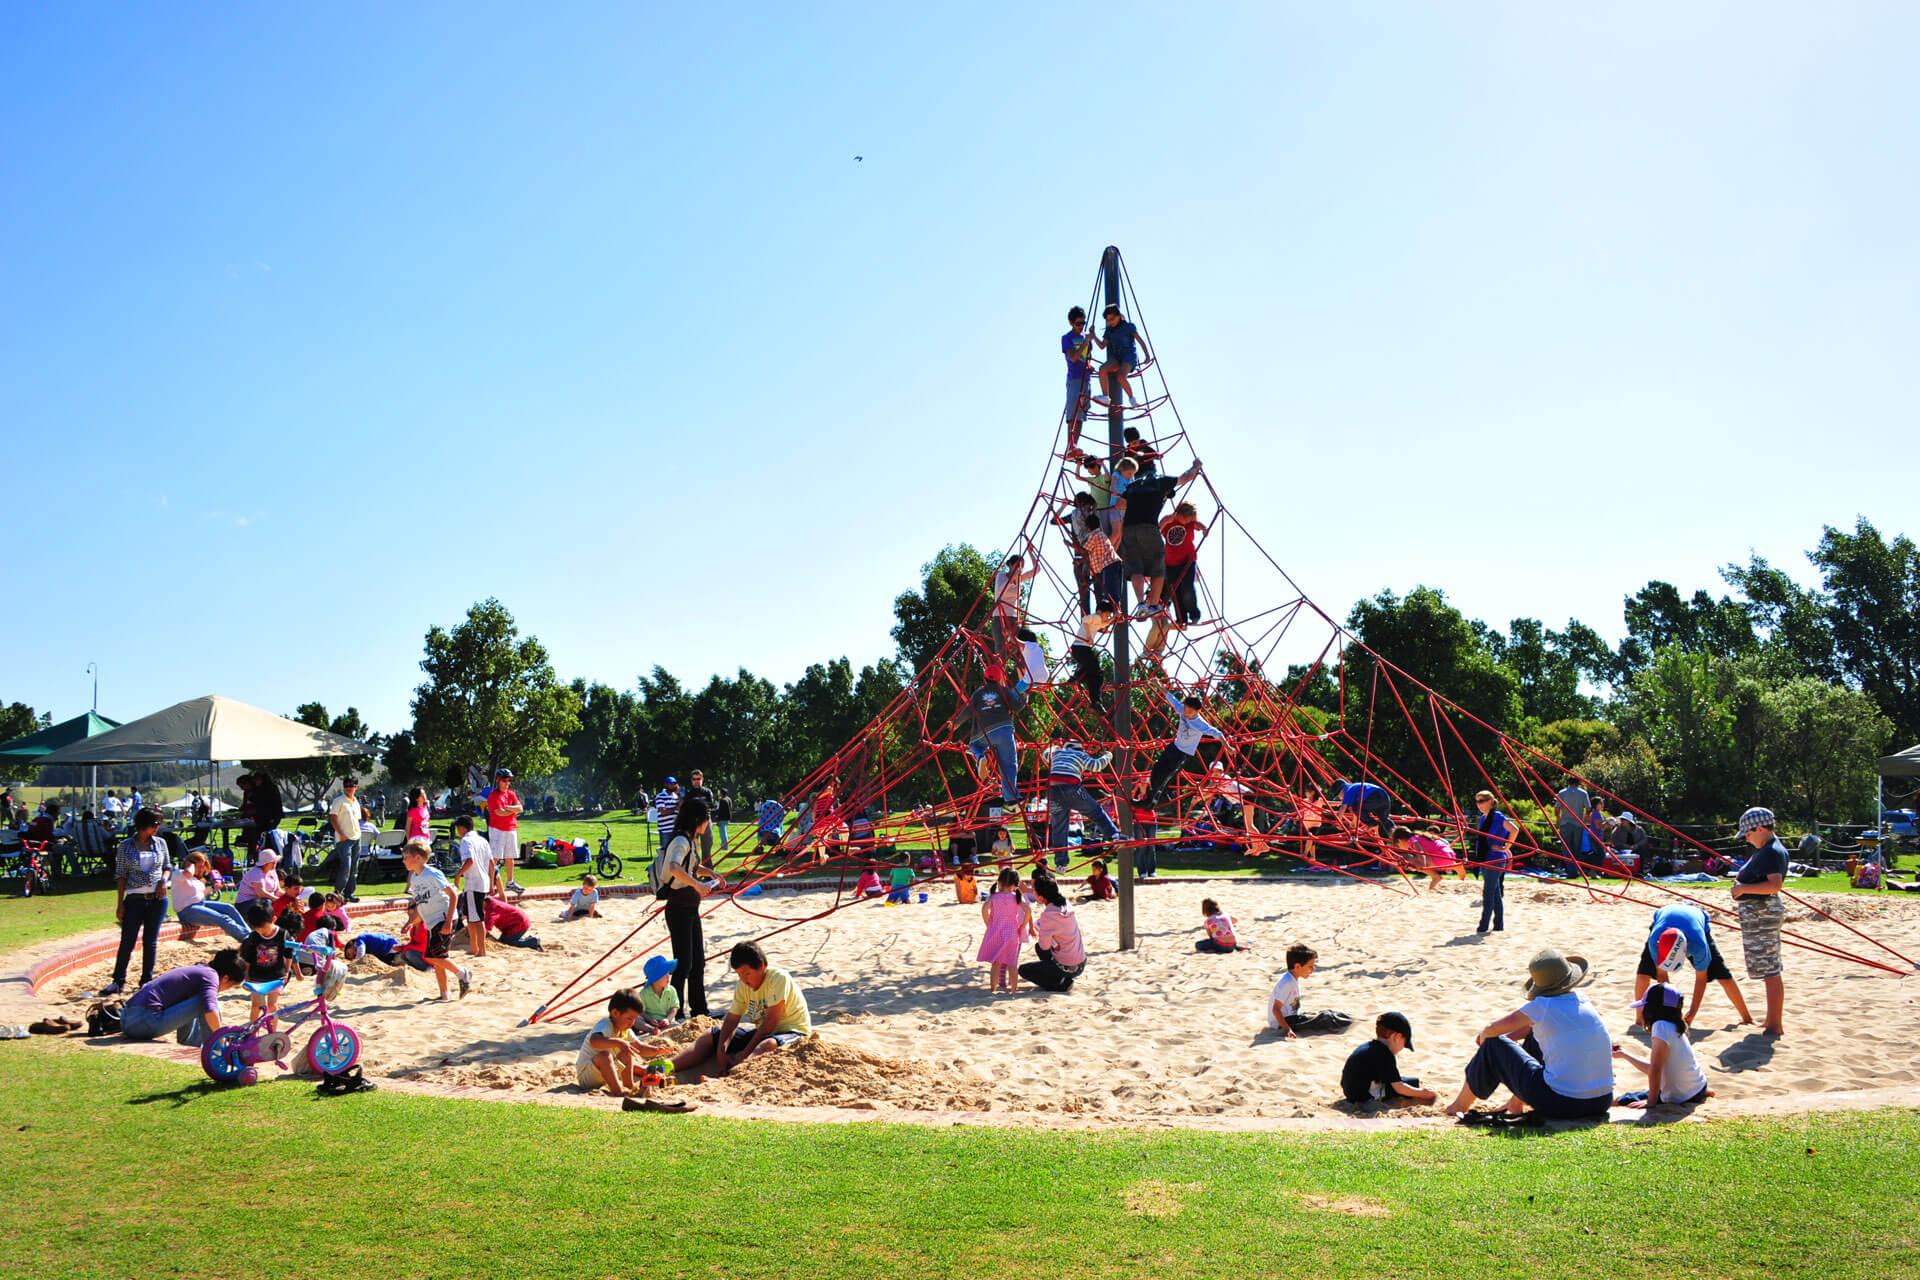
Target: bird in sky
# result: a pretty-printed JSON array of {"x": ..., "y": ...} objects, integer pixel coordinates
[{"x": 859, "y": 158}]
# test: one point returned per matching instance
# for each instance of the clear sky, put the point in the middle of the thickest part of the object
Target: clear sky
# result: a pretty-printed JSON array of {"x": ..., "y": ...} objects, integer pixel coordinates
[{"x": 319, "y": 323}]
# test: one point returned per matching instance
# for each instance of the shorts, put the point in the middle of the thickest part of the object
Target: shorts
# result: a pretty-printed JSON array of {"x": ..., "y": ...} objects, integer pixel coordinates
[
  {"x": 1143, "y": 550},
  {"x": 744, "y": 1032},
  {"x": 587, "y": 1076},
  {"x": 475, "y": 901},
  {"x": 505, "y": 844},
  {"x": 1717, "y": 970},
  {"x": 436, "y": 943},
  {"x": 1076, "y": 410},
  {"x": 1760, "y": 919}
]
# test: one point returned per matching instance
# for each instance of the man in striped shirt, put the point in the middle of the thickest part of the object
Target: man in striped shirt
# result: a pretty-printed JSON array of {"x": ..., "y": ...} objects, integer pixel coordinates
[
  {"x": 666, "y": 807},
  {"x": 1067, "y": 766}
]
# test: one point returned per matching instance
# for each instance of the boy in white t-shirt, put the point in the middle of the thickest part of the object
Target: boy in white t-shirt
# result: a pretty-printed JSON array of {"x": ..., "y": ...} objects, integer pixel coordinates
[
  {"x": 1283, "y": 1006},
  {"x": 609, "y": 1056},
  {"x": 1674, "y": 1075},
  {"x": 476, "y": 880}
]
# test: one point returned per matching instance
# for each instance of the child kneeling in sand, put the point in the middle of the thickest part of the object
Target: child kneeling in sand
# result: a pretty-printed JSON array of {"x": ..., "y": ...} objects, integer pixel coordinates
[
  {"x": 1673, "y": 1073},
  {"x": 584, "y": 902},
  {"x": 1371, "y": 1073},
  {"x": 609, "y": 1056},
  {"x": 1221, "y": 938},
  {"x": 1283, "y": 1007}
]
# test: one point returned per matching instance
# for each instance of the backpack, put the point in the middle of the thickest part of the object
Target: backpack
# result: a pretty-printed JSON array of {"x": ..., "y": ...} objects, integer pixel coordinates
[{"x": 657, "y": 870}]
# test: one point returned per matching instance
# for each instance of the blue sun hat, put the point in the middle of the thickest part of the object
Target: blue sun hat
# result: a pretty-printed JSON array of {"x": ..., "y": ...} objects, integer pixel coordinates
[{"x": 659, "y": 967}]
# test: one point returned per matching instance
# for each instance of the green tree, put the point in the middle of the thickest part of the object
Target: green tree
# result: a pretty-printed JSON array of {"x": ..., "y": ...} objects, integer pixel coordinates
[
  {"x": 1819, "y": 743},
  {"x": 1425, "y": 638},
  {"x": 1874, "y": 586},
  {"x": 1796, "y": 623},
  {"x": 491, "y": 698},
  {"x": 1683, "y": 704},
  {"x": 400, "y": 757},
  {"x": 1658, "y": 617},
  {"x": 601, "y": 752},
  {"x": 302, "y": 782},
  {"x": 17, "y": 720},
  {"x": 953, "y": 590}
]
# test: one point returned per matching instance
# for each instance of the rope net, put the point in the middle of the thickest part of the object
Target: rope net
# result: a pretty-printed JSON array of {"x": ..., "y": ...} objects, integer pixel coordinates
[{"x": 906, "y": 790}]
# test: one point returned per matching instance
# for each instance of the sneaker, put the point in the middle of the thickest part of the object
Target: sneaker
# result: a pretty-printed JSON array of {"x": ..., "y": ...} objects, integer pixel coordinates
[
  {"x": 514, "y": 886},
  {"x": 112, "y": 989},
  {"x": 466, "y": 982},
  {"x": 353, "y": 897}
]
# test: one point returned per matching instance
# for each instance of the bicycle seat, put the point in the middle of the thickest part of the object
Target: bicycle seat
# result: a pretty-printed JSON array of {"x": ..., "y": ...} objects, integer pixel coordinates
[{"x": 265, "y": 988}]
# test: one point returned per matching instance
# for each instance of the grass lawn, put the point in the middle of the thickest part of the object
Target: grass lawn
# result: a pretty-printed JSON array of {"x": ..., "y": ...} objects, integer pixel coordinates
[{"x": 149, "y": 1170}]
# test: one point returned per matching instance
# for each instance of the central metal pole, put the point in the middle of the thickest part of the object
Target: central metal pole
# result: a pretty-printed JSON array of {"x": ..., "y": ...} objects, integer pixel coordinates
[{"x": 1122, "y": 664}]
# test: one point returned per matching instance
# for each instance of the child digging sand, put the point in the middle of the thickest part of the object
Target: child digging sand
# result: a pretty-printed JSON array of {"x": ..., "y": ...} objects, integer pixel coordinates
[
  {"x": 1371, "y": 1073},
  {"x": 659, "y": 1000},
  {"x": 609, "y": 1056},
  {"x": 1221, "y": 939},
  {"x": 1009, "y": 922},
  {"x": 1673, "y": 1073},
  {"x": 1283, "y": 1006}
]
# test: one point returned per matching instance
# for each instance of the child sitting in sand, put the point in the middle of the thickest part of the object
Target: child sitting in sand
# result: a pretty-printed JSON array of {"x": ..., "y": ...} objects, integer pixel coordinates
[
  {"x": 1100, "y": 885},
  {"x": 324, "y": 911},
  {"x": 585, "y": 900},
  {"x": 1371, "y": 1074},
  {"x": 265, "y": 953},
  {"x": 610, "y": 1056},
  {"x": 1283, "y": 1006},
  {"x": 900, "y": 884},
  {"x": 1673, "y": 1073},
  {"x": 868, "y": 885},
  {"x": 1009, "y": 923},
  {"x": 659, "y": 1002},
  {"x": 1221, "y": 938}
]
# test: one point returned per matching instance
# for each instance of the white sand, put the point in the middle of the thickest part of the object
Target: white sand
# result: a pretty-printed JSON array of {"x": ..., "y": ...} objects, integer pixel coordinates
[{"x": 1159, "y": 1034}]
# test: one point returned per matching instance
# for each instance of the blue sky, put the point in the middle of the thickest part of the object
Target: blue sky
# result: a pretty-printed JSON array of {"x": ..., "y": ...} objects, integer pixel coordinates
[{"x": 320, "y": 325}]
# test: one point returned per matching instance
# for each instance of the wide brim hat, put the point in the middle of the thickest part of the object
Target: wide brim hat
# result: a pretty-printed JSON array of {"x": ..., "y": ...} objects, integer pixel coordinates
[{"x": 1552, "y": 974}]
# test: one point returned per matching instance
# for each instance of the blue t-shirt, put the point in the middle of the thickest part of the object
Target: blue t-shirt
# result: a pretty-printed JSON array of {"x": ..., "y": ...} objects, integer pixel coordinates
[
  {"x": 772, "y": 815},
  {"x": 1074, "y": 347},
  {"x": 1691, "y": 921},
  {"x": 1493, "y": 826},
  {"x": 1359, "y": 795},
  {"x": 1770, "y": 861},
  {"x": 380, "y": 946},
  {"x": 1119, "y": 339}
]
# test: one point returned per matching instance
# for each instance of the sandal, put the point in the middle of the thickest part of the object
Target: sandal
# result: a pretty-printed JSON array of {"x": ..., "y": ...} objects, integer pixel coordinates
[{"x": 341, "y": 1083}]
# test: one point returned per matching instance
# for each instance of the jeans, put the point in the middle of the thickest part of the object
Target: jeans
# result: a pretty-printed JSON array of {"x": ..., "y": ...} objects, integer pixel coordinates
[
  {"x": 1500, "y": 1061},
  {"x": 1076, "y": 407},
  {"x": 1000, "y": 740},
  {"x": 1146, "y": 858},
  {"x": 721, "y": 823},
  {"x": 140, "y": 917},
  {"x": 1065, "y": 801},
  {"x": 346, "y": 866},
  {"x": 522, "y": 939},
  {"x": 137, "y": 1022},
  {"x": 1207, "y": 946},
  {"x": 223, "y": 916},
  {"x": 1378, "y": 810},
  {"x": 690, "y": 950},
  {"x": 1049, "y": 974},
  {"x": 1493, "y": 898},
  {"x": 1181, "y": 583},
  {"x": 1325, "y": 1020}
]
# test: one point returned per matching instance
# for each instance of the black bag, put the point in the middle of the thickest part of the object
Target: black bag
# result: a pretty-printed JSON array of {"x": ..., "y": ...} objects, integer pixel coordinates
[{"x": 103, "y": 1019}]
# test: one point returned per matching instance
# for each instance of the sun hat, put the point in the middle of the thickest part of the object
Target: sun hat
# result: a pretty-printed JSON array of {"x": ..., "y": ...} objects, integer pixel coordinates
[
  {"x": 1552, "y": 974},
  {"x": 1755, "y": 818},
  {"x": 267, "y": 857},
  {"x": 659, "y": 967},
  {"x": 1671, "y": 952},
  {"x": 1395, "y": 1021}
]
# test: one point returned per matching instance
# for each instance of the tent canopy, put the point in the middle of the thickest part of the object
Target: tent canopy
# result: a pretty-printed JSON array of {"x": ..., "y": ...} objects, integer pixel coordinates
[
  {"x": 209, "y": 728},
  {"x": 1902, "y": 764},
  {"x": 35, "y": 747},
  {"x": 215, "y": 803}
]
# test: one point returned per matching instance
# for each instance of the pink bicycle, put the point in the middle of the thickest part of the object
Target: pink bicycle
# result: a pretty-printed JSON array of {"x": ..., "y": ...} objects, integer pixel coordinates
[{"x": 233, "y": 1054}]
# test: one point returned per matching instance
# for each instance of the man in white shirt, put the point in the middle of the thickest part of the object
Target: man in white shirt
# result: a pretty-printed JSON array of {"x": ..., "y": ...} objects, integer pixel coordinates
[{"x": 344, "y": 818}]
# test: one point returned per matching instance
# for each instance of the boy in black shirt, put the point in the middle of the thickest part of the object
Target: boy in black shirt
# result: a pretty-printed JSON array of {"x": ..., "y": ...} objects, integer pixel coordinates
[{"x": 1371, "y": 1072}]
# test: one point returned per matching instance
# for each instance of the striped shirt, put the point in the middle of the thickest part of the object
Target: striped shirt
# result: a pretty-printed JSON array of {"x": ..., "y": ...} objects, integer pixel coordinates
[
  {"x": 667, "y": 805},
  {"x": 1070, "y": 764}
]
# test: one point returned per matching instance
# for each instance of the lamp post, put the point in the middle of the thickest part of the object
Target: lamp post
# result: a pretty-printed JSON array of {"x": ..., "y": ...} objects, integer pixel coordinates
[{"x": 93, "y": 770}]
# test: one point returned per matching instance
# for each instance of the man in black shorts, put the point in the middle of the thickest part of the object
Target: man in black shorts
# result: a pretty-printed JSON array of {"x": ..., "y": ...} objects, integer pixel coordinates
[
  {"x": 1143, "y": 551},
  {"x": 1681, "y": 935}
]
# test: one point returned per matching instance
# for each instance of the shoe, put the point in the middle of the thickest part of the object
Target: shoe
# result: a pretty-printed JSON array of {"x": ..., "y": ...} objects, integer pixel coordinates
[
  {"x": 514, "y": 887},
  {"x": 353, "y": 897},
  {"x": 466, "y": 982},
  {"x": 1481, "y": 929},
  {"x": 112, "y": 989}
]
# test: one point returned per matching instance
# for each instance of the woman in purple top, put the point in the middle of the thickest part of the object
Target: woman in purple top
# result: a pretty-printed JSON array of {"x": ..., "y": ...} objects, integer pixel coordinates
[{"x": 178, "y": 998}]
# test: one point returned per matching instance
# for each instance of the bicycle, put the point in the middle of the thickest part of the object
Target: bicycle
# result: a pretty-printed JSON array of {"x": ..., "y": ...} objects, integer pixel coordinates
[
  {"x": 607, "y": 864},
  {"x": 232, "y": 1055},
  {"x": 33, "y": 872}
]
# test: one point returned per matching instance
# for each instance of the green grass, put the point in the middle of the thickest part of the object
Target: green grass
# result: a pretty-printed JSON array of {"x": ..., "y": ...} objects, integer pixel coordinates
[{"x": 148, "y": 1170}]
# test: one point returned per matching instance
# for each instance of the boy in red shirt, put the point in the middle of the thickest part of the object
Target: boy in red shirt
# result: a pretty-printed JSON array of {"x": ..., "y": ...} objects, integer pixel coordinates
[
  {"x": 511, "y": 921},
  {"x": 503, "y": 825},
  {"x": 1182, "y": 531}
]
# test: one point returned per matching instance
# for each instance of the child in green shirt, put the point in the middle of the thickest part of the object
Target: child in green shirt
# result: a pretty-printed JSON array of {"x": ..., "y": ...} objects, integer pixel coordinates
[{"x": 659, "y": 1002}]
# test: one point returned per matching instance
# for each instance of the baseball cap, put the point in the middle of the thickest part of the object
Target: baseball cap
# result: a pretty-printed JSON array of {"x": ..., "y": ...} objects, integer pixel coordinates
[
  {"x": 1755, "y": 818},
  {"x": 671, "y": 781},
  {"x": 1660, "y": 995},
  {"x": 1395, "y": 1021},
  {"x": 1671, "y": 952},
  {"x": 658, "y": 967}
]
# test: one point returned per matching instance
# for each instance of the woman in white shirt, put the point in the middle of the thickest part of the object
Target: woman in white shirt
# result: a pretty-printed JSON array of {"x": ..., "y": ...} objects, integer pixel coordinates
[
  {"x": 1562, "y": 1065},
  {"x": 191, "y": 906}
]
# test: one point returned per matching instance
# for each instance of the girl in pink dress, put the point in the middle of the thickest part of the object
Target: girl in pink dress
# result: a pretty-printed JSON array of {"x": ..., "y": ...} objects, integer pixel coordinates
[{"x": 1009, "y": 922}]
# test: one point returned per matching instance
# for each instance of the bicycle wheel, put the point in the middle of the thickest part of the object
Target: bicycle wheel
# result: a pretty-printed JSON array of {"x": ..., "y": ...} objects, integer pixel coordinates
[
  {"x": 333, "y": 1048},
  {"x": 220, "y": 1056},
  {"x": 609, "y": 866}
]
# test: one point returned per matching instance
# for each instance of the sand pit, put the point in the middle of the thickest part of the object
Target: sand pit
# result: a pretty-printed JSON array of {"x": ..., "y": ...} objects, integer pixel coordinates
[{"x": 1159, "y": 1035}]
